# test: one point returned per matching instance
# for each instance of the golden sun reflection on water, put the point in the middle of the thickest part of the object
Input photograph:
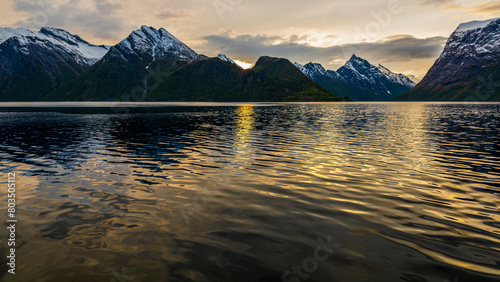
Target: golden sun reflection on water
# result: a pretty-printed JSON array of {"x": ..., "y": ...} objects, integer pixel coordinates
[{"x": 245, "y": 122}]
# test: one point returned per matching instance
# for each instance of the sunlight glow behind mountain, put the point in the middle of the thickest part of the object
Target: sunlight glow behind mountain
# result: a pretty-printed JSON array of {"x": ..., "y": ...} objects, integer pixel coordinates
[{"x": 243, "y": 64}]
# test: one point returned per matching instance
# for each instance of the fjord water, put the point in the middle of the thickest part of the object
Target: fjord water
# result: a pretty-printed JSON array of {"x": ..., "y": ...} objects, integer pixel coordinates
[{"x": 399, "y": 192}]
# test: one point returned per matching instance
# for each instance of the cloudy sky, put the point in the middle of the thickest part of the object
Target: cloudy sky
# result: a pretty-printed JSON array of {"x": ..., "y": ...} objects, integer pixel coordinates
[{"x": 404, "y": 35}]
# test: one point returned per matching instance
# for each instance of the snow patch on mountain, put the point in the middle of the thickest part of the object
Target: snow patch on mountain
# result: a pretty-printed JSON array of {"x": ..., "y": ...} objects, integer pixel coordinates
[
  {"x": 314, "y": 70},
  {"x": 83, "y": 51},
  {"x": 357, "y": 68},
  {"x": 154, "y": 43},
  {"x": 475, "y": 42},
  {"x": 474, "y": 25},
  {"x": 409, "y": 81},
  {"x": 226, "y": 59},
  {"x": 7, "y": 32},
  {"x": 469, "y": 49},
  {"x": 376, "y": 82}
]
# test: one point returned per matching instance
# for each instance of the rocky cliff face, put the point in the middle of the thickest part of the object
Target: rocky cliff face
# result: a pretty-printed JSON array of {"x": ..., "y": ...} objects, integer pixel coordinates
[{"x": 467, "y": 70}]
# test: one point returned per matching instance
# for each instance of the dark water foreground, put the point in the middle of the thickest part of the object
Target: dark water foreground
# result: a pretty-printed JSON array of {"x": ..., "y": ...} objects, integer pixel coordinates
[{"x": 303, "y": 192}]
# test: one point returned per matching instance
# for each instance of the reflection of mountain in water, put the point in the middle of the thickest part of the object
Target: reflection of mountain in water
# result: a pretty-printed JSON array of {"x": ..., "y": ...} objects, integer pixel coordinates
[{"x": 466, "y": 136}]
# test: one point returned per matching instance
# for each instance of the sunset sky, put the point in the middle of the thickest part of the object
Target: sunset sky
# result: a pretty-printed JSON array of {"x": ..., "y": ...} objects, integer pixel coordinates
[{"x": 405, "y": 36}]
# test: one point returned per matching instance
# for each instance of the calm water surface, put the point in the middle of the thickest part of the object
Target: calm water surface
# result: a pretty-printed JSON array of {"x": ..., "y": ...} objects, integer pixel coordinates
[{"x": 398, "y": 192}]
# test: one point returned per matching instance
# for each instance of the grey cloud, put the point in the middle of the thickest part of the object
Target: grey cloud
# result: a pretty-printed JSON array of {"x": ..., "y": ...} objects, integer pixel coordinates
[
  {"x": 398, "y": 49},
  {"x": 27, "y": 5},
  {"x": 401, "y": 46},
  {"x": 171, "y": 14},
  {"x": 407, "y": 46},
  {"x": 107, "y": 7},
  {"x": 101, "y": 22}
]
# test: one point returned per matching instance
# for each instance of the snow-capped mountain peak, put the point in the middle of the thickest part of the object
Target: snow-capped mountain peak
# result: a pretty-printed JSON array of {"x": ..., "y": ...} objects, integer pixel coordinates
[
  {"x": 472, "y": 53},
  {"x": 151, "y": 42},
  {"x": 225, "y": 58},
  {"x": 300, "y": 67},
  {"x": 399, "y": 78},
  {"x": 149, "y": 31},
  {"x": 312, "y": 69},
  {"x": 83, "y": 52},
  {"x": 358, "y": 75},
  {"x": 62, "y": 35},
  {"x": 8, "y": 32},
  {"x": 470, "y": 43},
  {"x": 385, "y": 70},
  {"x": 474, "y": 25},
  {"x": 34, "y": 63},
  {"x": 474, "y": 39},
  {"x": 357, "y": 63},
  {"x": 318, "y": 68}
]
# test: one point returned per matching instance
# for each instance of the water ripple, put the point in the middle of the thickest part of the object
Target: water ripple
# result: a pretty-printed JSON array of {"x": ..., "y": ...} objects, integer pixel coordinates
[{"x": 410, "y": 191}]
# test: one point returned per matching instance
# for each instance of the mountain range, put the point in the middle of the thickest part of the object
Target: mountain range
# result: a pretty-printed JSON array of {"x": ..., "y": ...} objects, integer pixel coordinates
[
  {"x": 149, "y": 65},
  {"x": 467, "y": 70},
  {"x": 153, "y": 65},
  {"x": 34, "y": 63},
  {"x": 359, "y": 80}
]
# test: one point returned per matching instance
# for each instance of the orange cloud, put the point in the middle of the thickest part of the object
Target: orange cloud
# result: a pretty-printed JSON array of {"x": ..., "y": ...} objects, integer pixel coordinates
[{"x": 490, "y": 9}]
